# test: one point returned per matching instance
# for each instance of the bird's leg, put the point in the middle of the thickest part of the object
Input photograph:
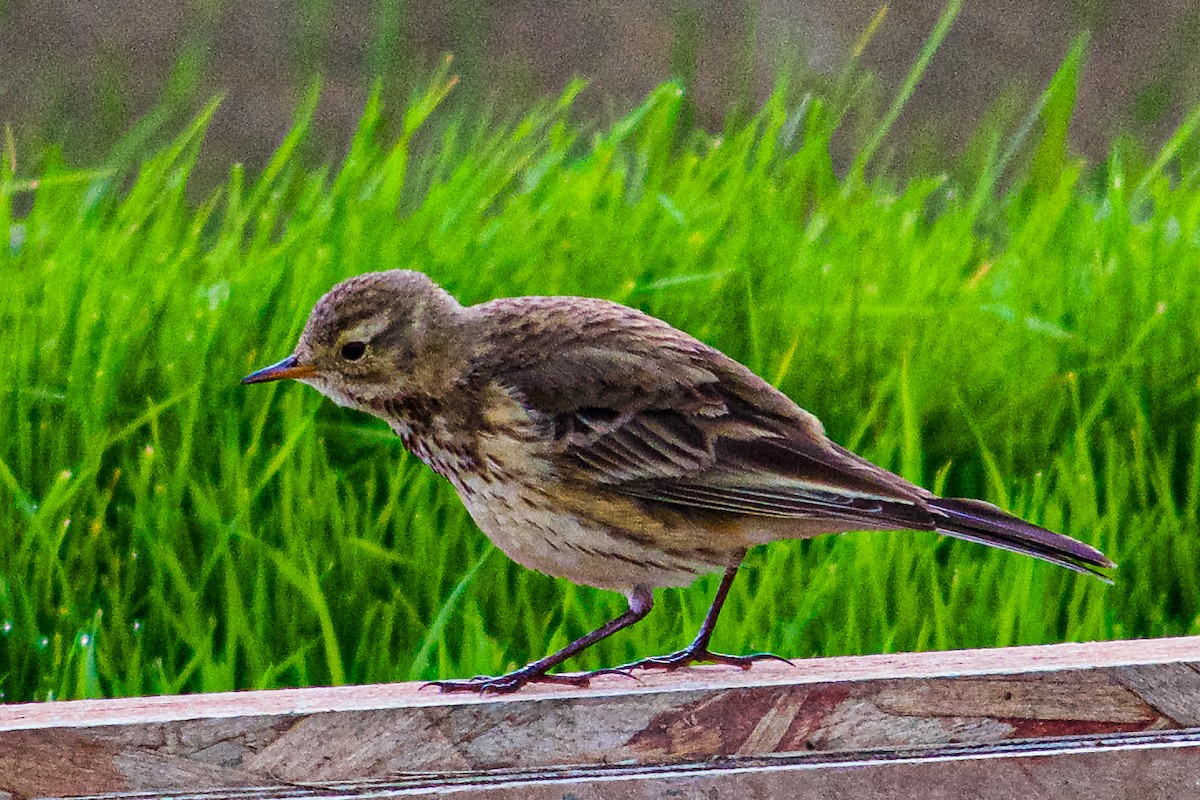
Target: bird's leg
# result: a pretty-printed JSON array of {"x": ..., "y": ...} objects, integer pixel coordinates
[
  {"x": 640, "y": 603},
  {"x": 697, "y": 651}
]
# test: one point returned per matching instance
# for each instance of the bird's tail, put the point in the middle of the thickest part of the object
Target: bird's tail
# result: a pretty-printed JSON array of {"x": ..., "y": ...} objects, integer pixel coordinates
[{"x": 977, "y": 521}]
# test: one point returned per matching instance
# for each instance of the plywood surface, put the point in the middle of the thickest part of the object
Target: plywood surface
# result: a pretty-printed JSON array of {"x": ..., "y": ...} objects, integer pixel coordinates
[{"x": 949, "y": 713}]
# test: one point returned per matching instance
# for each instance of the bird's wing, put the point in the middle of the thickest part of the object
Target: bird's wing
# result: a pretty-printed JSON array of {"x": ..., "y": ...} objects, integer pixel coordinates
[
  {"x": 687, "y": 426},
  {"x": 719, "y": 460},
  {"x": 635, "y": 405}
]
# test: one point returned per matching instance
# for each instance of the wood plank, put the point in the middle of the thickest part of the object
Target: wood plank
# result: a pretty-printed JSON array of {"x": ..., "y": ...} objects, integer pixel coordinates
[
  {"x": 871, "y": 707},
  {"x": 1162, "y": 766},
  {"x": 1001, "y": 660}
]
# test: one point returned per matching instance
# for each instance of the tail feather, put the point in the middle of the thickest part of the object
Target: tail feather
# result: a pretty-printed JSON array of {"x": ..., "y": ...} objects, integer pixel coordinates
[{"x": 977, "y": 521}]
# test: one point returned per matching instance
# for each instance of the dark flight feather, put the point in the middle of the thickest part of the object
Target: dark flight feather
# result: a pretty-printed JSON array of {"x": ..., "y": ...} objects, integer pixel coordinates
[
  {"x": 977, "y": 521},
  {"x": 653, "y": 414}
]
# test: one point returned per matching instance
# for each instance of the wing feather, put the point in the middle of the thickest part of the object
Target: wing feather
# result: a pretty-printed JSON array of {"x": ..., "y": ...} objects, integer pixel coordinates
[
  {"x": 635, "y": 405},
  {"x": 734, "y": 463},
  {"x": 654, "y": 414}
]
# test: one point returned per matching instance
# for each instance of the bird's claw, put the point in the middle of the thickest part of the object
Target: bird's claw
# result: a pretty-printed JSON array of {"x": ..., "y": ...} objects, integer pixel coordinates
[
  {"x": 481, "y": 684},
  {"x": 503, "y": 684},
  {"x": 700, "y": 655}
]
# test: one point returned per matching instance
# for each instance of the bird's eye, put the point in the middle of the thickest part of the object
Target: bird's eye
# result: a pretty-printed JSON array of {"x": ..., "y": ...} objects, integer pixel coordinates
[{"x": 353, "y": 351}]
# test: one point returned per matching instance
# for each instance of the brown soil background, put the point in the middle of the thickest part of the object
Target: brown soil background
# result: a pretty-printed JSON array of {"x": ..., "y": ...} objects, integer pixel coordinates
[{"x": 78, "y": 74}]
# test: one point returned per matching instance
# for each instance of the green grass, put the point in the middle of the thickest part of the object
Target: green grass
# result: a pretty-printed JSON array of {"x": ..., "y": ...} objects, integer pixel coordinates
[{"x": 1022, "y": 329}]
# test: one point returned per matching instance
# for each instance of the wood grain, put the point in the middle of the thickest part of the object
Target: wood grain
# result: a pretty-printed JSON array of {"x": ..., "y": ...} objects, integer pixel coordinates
[{"x": 779, "y": 719}]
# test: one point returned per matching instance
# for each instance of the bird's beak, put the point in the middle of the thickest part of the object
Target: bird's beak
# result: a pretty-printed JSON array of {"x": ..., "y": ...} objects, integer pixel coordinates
[{"x": 288, "y": 368}]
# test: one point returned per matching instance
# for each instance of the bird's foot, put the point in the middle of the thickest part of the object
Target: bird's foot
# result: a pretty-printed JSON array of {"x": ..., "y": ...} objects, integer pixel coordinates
[
  {"x": 503, "y": 684},
  {"x": 700, "y": 655}
]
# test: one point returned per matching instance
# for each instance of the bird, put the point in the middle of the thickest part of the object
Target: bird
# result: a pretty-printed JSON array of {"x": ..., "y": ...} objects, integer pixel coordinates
[{"x": 593, "y": 442}]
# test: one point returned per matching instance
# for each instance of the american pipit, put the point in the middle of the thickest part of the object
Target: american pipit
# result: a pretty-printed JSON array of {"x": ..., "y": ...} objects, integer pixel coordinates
[{"x": 594, "y": 442}]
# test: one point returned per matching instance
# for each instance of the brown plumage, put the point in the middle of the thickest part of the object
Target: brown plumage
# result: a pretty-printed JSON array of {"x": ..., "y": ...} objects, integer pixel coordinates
[{"x": 596, "y": 443}]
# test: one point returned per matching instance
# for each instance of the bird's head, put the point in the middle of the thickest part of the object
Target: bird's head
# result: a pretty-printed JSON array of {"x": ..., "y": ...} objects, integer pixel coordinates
[{"x": 378, "y": 335}]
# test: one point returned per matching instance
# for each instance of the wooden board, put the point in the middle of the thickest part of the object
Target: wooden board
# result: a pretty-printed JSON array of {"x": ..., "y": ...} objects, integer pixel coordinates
[{"x": 1113, "y": 718}]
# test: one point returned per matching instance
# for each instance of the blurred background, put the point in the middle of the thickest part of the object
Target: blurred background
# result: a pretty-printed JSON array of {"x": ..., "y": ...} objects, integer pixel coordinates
[
  {"x": 78, "y": 75},
  {"x": 958, "y": 296}
]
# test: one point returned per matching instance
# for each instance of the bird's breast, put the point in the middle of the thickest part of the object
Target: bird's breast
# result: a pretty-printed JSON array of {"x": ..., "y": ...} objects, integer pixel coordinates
[
  {"x": 447, "y": 452},
  {"x": 429, "y": 433},
  {"x": 490, "y": 436},
  {"x": 501, "y": 461}
]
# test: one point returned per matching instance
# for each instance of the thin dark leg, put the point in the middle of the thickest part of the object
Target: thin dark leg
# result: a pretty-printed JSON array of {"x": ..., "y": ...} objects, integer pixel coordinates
[
  {"x": 640, "y": 603},
  {"x": 697, "y": 651},
  {"x": 710, "y": 619}
]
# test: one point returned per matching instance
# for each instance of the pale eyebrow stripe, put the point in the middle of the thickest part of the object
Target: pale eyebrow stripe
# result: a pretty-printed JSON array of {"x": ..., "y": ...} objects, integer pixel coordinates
[{"x": 366, "y": 330}]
